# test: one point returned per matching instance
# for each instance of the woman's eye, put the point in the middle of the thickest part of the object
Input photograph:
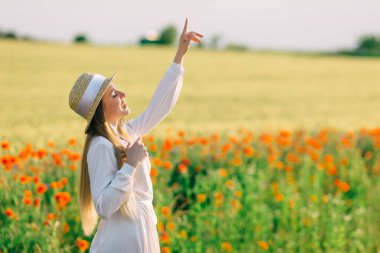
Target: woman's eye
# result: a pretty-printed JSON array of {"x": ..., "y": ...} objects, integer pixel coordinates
[{"x": 113, "y": 94}]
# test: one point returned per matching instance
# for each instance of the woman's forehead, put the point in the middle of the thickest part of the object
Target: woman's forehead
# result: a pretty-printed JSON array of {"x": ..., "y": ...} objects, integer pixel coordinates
[{"x": 111, "y": 87}]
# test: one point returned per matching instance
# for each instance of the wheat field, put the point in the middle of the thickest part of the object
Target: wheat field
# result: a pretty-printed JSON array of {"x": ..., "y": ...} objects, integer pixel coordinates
[{"x": 223, "y": 90}]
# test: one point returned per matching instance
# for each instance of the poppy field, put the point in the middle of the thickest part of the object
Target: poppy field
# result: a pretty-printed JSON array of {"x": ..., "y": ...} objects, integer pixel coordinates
[{"x": 284, "y": 191}]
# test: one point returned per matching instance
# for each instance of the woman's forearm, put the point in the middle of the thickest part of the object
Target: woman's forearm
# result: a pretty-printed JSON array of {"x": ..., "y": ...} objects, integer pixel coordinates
[{"x": 178, "y": 58}]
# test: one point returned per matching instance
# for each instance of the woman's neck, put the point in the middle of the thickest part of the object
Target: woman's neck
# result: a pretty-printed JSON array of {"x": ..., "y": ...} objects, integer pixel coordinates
[
  {"x": 116, "y": 132},
  {"x": 114, "y": 128}
]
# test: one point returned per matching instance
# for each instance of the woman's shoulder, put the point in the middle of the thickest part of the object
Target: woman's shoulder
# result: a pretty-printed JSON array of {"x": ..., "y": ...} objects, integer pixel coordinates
[
  {"x": 100, "y": 140},
  {"x": 101, "y": 150}
]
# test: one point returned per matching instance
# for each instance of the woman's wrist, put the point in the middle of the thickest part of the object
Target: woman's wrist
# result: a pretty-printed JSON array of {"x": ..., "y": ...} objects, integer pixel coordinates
[
  {"x": 178, "y": 58},
  {"x": 132, "y": 163}
]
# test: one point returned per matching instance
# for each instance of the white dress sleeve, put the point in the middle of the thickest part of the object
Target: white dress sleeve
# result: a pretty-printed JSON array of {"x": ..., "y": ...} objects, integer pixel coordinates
[
  {"x": 110, "y": 187},
  {"x": 163, "y": 101}
]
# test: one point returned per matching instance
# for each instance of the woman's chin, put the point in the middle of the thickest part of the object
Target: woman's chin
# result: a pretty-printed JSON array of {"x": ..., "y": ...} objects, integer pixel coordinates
[{"x": 126, "y": 112}]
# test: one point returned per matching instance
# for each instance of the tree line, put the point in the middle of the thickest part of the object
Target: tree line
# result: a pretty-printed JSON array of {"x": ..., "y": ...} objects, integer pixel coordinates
[{"x": 367, "y": 45}]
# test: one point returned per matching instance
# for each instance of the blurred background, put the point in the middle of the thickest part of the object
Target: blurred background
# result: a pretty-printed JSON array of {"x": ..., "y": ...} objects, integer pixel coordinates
[
  {"x": 273, "y": 25},
  {"x": 273, "y": 145},
  {"x": 290, "y": 64}
]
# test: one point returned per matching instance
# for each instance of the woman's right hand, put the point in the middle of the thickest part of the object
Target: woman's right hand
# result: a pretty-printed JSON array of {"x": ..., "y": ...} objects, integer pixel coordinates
[
  {"x": 184, "y": 43},
  {"x": 136, "y": 153}
]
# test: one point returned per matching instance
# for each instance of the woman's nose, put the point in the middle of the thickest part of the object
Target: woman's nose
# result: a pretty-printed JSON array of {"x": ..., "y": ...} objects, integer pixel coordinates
[{"x": 122, "y": 94}]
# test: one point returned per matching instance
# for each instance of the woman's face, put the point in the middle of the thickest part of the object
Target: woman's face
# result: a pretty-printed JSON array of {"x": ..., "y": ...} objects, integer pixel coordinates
[{"x": 114, "y": 105}]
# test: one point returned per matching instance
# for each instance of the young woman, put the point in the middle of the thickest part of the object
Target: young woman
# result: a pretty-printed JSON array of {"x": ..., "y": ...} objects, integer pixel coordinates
[{"x": 115, "y": 184}]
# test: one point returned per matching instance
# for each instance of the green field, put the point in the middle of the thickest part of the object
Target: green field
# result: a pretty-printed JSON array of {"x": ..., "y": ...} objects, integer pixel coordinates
[{"x": 222, "y": 90}]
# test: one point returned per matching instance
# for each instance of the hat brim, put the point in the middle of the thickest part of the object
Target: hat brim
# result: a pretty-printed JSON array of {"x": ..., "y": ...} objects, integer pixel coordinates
[{"x": 97, "y": 100}]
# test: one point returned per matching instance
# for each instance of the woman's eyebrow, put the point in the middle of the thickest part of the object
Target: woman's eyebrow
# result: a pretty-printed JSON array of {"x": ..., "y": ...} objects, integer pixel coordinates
[{"x": 110, "y": 92}]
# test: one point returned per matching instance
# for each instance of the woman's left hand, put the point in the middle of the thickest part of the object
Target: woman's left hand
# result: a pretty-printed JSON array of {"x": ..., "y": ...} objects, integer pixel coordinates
[{"x": 184, "y": 42}]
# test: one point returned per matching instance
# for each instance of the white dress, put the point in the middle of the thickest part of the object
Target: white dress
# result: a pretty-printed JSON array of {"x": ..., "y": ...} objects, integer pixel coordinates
[{"x": 110, "y": 187}]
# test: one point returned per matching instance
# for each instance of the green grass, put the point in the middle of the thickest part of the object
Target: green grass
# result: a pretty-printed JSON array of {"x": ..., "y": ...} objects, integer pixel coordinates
[{"x": 222, "y": 90}]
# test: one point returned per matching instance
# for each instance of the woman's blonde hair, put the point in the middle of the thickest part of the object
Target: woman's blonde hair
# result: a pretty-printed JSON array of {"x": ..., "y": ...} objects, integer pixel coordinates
[{"x": 99, "y": 127}]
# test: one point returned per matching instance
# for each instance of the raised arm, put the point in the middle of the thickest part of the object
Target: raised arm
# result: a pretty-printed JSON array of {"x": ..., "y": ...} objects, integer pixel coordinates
[
  {"x": 163, "y": 101},
  {"x": 166, "y": 95}
]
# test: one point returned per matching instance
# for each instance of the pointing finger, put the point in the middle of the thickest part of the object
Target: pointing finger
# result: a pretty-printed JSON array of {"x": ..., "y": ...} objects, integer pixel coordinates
[{"x": 185, "y": 27}]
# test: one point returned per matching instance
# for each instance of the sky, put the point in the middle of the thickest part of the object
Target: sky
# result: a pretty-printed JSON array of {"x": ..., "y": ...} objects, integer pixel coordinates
[{"x": 300, "y": 25}]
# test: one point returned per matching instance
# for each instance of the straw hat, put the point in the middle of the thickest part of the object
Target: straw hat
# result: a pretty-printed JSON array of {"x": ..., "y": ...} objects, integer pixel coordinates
[{"x": 86, "y": 94}]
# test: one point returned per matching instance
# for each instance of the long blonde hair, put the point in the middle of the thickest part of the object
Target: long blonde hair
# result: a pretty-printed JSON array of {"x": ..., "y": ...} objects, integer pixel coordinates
[{"x": 99, "y": 127}]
